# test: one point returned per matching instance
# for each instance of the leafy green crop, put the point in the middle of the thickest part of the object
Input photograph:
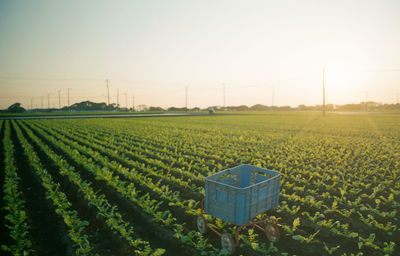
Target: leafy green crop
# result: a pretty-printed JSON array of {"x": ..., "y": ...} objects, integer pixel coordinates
[
  {"x": 16, "y": 218},
  {"x": 340, "y": 186}
]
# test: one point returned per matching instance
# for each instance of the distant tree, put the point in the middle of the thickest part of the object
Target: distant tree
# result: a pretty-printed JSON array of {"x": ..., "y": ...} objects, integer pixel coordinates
[
  {"x": 260, "y": 107},
  {"x": 176, "y": 109},
  {"x": 303, "y": 107},
  {"x": 142, "y": 107},
  {"x": 156, "y": 109},
  {"x": 89, "y": 106},
  {"x": 285, "y": 108},
  {"x": 238, "y": 108},
  {"x": 351, "y": 107},
  {"x": 15, "y": 108}
]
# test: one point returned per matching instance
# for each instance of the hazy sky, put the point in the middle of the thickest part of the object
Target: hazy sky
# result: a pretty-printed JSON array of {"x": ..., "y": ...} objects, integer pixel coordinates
[{"x": 154, "y": 49}]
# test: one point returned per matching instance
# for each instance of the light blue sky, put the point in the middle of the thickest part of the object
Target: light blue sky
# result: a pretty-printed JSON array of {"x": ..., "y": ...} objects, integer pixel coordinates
[{"x": 154, "y": 49}]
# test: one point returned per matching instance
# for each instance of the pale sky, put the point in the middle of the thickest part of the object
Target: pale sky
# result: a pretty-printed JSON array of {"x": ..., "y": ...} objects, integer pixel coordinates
[{"x": 154, "y": 49}]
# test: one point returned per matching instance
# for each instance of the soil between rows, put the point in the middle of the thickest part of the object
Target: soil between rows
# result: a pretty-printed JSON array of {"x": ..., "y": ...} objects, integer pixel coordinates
[
  {"x": 47, "y": 229},
  {"x": 143, "y": 224}
]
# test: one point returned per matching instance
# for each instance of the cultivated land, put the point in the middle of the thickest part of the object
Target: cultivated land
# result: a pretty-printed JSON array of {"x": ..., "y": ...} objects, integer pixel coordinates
[{"x": 134, "y": 186}]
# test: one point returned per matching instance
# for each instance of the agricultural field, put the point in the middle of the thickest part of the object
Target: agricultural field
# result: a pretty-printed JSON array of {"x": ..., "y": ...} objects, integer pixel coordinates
[{"x": 134, "y": 186}]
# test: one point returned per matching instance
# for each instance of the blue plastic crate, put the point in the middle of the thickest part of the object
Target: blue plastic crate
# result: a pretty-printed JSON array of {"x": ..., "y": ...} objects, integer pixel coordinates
[{"x": 241, "y": 193}]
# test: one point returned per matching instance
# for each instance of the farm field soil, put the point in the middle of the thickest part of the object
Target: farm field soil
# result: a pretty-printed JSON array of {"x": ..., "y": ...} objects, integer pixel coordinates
[{"x": 134, "y": 186}]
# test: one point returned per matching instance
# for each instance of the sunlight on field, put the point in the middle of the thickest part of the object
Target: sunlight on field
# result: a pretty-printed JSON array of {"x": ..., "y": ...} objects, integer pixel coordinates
[{"x": 144, "y": 180}]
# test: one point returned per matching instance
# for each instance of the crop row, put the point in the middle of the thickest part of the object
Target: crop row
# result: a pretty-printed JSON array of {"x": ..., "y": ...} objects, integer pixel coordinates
[
  {"x": 16, "y": 218},
  {"x": 75, "y": 225},
  {"x": 110, "y": 213},
  {"x": 348, "y": 202},
  {"x": 128, "y": 189},
  {"x": 339, "y": 194},
  {"x": 187, "y": 209}
]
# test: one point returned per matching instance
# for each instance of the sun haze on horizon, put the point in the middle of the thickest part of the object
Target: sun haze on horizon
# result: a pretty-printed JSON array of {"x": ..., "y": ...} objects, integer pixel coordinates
[{"x": 153, "y": 50}]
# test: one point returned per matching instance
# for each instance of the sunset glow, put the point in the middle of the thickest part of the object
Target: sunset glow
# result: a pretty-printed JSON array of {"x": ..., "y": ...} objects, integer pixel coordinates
[{"x": 153, "y": 50}]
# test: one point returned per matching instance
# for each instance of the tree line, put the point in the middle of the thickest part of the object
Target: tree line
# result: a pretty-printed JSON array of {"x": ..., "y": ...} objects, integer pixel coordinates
[{"x": 369, "y": 106}]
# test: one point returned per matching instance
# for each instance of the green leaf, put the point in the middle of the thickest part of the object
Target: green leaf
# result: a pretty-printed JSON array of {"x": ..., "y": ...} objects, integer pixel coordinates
[
  {"x": 5, "y": 247},
  {"x": 296, "y": 223}
]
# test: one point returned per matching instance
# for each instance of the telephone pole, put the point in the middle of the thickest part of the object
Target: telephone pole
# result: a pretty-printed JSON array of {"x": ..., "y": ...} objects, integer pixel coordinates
[
  {"x": 41, "y": 102},
  {"x": 186, "y": 105},
  {"x": 224, "y": 98},
  {"x": 68, "y": 95},
  {"x": 59, "y": 99},
  {"x": 108, "y": 93},
  {"x": 323, "y": 91},
  {"x": 133, "y": 103},
  {"x": 48, "y": 101},
  {"x": 31, "y": 103},
  {"x": 366, "y": 101}
]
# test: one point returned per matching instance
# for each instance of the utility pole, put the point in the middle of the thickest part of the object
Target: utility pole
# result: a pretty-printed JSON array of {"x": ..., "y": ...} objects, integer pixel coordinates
[
  {"x": 186, "y": 105},
  {"x": 397, "y": 98},
  {"x": 223, "y": 93},
  {"x": 41, "y": 102},
  {"x": 133, "y": 103},
  {"x": 59, "y": 99},
  {"x": 366, "y": 101},
  {"x": 68, "y": 95},
  {"x": 117, "y": 98},
  {"x": 323, "y": 91},
  {"x": 48, "y": 101},
  {"x": 31, "y": 103},
  {"x": 108, "y": 93}
]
